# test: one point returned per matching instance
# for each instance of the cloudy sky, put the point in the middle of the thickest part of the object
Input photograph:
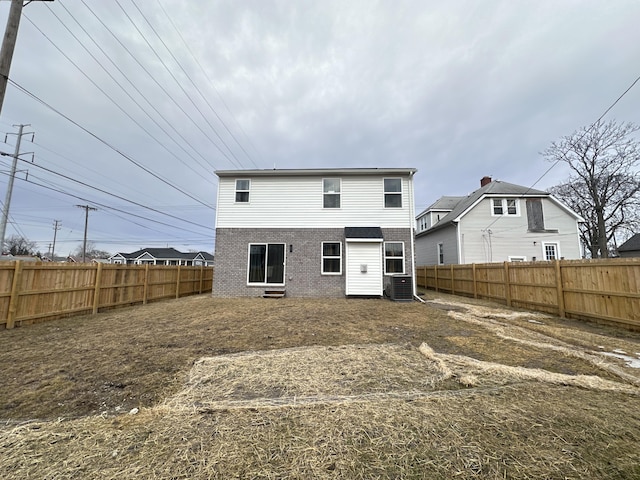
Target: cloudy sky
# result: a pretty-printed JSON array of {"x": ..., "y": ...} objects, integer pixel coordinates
[{"x": 134, "y": 104}]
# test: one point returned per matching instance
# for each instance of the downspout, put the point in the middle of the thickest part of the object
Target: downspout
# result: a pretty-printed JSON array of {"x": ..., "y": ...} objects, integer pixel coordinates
[{"x": 413, "y": 251}]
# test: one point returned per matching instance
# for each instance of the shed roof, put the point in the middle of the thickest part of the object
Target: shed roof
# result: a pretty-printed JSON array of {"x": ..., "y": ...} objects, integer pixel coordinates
[{"x": 363, "y": 233}]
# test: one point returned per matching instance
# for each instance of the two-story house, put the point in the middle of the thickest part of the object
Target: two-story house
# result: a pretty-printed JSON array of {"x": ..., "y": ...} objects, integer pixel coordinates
[
  {"x": 498, "y": 222},
  {"x": 313, "y": 232}
]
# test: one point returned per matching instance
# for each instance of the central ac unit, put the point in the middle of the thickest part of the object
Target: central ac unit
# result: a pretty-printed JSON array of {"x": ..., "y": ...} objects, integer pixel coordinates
[{"x": 401, "y": 288}]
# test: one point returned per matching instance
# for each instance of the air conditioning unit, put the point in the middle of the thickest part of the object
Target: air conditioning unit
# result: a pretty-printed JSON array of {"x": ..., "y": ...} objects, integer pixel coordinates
[{"x": 401, "y": 288}]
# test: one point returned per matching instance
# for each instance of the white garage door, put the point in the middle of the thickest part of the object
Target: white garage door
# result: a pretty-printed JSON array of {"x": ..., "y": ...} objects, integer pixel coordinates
[{"x": 364, "y": 268}]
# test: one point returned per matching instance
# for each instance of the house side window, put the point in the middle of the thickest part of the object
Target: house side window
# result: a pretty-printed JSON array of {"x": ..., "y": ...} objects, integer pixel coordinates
[
  {"x": 242, "y": 190},
  {"x": 331, "y": 258},
  {"x": 535, "y": 216},
  {"x": 331, "y": 188},
  {"x": 266, "y": 264},
  {"x": 393, "y": 258},
  {"x": 504, "y": 206},
  {"x": 550, "y": 251},
  {"x": 393, "y": 193},
  {"x": 441, "y": 254}
]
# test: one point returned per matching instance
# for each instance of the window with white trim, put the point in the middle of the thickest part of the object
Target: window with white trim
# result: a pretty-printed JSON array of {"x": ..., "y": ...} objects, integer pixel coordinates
[
  {"x": 441, "y": 254},
  {"x": 393, "y": 193},
  {"x": 331, "y": 258},
  {"x": 505, "y": 206},
  {"x": 393, "y": 258},
  {"x": 331, "y": 188},
  {"x": 242, "y": 190},
  {"x": 266, "y": 264},
  {"x": 550, "y": 251}
]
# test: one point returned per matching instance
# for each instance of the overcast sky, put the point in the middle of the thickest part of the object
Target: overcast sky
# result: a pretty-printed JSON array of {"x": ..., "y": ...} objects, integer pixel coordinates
[{"x": 159, "y": 94}]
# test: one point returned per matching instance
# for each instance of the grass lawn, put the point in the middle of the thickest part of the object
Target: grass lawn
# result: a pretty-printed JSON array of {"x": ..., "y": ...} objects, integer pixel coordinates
[{"x": 318, "y": 388}]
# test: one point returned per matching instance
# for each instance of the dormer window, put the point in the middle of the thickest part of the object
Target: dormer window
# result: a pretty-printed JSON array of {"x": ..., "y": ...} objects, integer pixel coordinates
[
  {"x": 331, "y": 192},
  {"x": 242, "y": 190},
  {"x": 393, "y": 193}
]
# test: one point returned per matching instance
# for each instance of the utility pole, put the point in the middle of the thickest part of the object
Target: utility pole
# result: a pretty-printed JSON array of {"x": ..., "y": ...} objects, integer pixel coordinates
[
  {"x": 12, "y": 176},
  {"x": 56, "y": 227},
  {"x": 9, "y": 43},
  {"x": 86, "y": 222}
]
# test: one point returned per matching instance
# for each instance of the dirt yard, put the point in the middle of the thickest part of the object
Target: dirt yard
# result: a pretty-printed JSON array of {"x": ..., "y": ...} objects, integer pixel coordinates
[{"x": 250, "y": 388}]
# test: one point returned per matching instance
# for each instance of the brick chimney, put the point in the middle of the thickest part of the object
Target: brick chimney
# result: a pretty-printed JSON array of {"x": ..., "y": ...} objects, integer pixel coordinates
[{"x": 485, "y": 181}]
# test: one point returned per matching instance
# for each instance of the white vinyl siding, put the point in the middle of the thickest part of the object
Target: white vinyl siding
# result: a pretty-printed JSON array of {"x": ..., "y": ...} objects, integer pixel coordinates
[
  {"x": 294, "y": 202},
  {"x": 427, "y": 251}
]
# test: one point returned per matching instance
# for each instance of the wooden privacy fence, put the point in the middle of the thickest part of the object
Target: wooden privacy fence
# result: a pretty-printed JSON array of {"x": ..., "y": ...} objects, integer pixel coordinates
[
  {"x": 32, "y": 292},
  {"x": 604, "y": 289}
]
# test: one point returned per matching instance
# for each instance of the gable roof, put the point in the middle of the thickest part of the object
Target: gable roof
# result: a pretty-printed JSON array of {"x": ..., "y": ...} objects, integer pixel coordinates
[
  {"x": 162, "y": 253},
  {"x": 491, "y": 189},
  {"x": 443, "y": 203},
  {"x": 631, "y": 245}
]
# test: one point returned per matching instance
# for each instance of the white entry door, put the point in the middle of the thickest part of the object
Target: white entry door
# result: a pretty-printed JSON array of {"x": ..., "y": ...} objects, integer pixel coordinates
[{"x": 364, "y": 268}]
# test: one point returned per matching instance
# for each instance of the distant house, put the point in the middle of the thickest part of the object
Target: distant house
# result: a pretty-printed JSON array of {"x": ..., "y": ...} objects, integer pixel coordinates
[
  {"x": 630, "y": 248},
  {"x": 162, "y": 256},
  {"x": 498, "y": 222},
  {"x": 313, "y": 232}
]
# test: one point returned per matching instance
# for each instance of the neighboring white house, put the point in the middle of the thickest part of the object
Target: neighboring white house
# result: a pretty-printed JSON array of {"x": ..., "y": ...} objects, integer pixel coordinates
[
  {"x": 313, "y": 232},
  {"x": 162, "y": 256},
  {"x": 498, "y": 222}
]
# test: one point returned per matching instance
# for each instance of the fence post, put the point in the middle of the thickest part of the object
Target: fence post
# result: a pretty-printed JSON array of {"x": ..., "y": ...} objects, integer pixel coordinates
[
  {"x": 559, "y": 286},
  {"x": 507, "y": 284},
  {"x": 201, "y": 276},
  {"x": 426, "y": 272},
  {"x": 475, "y": 282},
  {"x": 15, "y": 293},
  {"x": 96, "y": 291},
  {"x": 435, "y": 272},
  {"x": 178, "y": 284},
  {"x": 145, "y": 292},
  {"x": 453, "y": 288}
]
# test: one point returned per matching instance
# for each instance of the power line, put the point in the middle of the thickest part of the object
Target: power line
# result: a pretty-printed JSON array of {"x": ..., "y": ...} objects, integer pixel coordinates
[
  {"x": 104, "y": 142},
  {"x": 124, "y": 75},
  {"x": 213, "y": 110}
]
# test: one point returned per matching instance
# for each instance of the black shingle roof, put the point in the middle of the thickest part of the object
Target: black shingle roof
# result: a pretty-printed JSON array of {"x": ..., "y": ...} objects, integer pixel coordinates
[{"x": 363, "y": 232}]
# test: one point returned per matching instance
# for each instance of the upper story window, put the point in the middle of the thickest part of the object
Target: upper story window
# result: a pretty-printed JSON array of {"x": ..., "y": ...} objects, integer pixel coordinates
[
  {"x": 331, "y": 192},
  {"x": 441, "y": 254},
  {"x": 242, "y": 190},
  {"x": 504, "y": 206},
  {"x": 393, "y": 192}
]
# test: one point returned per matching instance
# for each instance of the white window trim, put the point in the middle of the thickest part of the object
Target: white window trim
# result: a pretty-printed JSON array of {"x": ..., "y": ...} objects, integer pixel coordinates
[
  {"x": 440, "y": 250},
  {"x": 385, "y": 193},
  {"x": 339, "y": 193},
  {"x": 505, "y": 211},
  {"x": 284, "y": 267},
  {"x": 236, "y": 191},
  {"x": 322, "y": 257},
  {"x": 517, "y": 258},
  {"x": 384, "y": 258},
  {"x": 544, "y": 250}
]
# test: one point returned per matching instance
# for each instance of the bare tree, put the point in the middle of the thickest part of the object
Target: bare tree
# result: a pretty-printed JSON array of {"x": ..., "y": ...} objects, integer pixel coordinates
[
  {"x": 17, "y": 245},
  {"x": 92, "y": 251},
  {"x": 605, "y": 185}
]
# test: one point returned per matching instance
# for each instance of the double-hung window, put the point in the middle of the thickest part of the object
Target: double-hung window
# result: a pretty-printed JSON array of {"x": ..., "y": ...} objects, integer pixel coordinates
[
  {"x": 393, "y": 258},
  {"x": 331, "y": 258},
  {"x": 266, "y": 263},
  {"x": 242, "y": 190},
  {"x": 392, "y": 192},
  {"x": 504, "y": 206},
  {"x": 331, "y": 192}
]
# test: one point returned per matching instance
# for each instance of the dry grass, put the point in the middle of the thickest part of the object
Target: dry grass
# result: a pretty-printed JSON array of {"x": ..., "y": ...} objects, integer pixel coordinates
[{"x": 292, "y": 388}]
